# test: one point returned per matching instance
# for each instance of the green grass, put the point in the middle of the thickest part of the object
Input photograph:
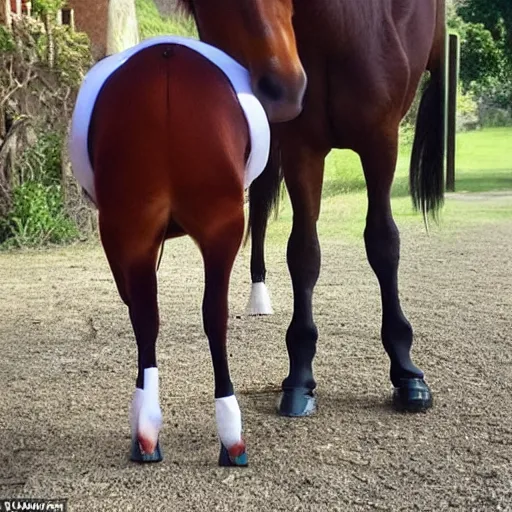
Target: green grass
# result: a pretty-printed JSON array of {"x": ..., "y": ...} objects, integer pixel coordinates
[
  {"x": 484, "y": 163},
  {"x": 484, "y": 160},
  {"x": 343, "y": 217},
  {"x": 152, "y": 24}
]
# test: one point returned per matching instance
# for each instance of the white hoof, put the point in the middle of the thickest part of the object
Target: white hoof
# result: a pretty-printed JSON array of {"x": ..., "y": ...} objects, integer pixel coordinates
[
  {"x": 259, "y": 301},
  {"x": 229, "y": 421},
  {"x": 146, "y": 416}
]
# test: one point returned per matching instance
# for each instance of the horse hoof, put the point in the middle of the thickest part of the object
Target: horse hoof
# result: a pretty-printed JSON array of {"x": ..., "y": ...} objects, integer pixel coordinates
[
  {"x": 235, "y": 457},
  {"x": 138, "y": 456},
  {"x": 413, "y": 395},
  {"x": 259, "y": 301},
  {"x": 297, "y": 402}
]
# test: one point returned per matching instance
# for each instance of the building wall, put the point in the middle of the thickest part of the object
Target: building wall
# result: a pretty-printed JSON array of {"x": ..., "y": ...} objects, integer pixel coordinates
[{"x": 91, "y": 16}]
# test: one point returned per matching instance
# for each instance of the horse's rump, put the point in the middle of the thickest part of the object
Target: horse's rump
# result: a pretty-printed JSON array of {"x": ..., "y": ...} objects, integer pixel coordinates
[
  {"x": 166, "y": 119},
  {"x": 185, "y": 80}
]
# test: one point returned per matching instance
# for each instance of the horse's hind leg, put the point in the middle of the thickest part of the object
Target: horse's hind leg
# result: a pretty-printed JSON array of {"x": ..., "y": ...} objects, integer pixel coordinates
[
  {"x": 383, "y": 250},
  {"x": 259, "y": 205},
  {"x": 219, "y": 248},
  {"x": 259, "y": 300},
  {"x": 132, "y": 250}
]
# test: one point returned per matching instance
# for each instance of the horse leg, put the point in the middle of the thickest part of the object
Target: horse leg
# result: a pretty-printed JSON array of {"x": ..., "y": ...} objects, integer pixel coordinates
[
  {"x": 303, "y": 168},
  {"x": 259, "y": 300},
  {"x": 263, "y": 197},
  {"x": 219, "y": 250},
  {"x": 132, "y": 255},
  {"x": 383, "y": 250}
]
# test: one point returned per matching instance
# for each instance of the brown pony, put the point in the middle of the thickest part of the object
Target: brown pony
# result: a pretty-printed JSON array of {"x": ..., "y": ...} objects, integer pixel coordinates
[
  {"x": 168, "y": 143},
  {"x": 363, "y": 61}
]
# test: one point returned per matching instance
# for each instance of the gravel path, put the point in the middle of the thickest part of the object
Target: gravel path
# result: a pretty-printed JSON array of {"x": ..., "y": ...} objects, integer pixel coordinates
[{"x": 68, "y": 366}]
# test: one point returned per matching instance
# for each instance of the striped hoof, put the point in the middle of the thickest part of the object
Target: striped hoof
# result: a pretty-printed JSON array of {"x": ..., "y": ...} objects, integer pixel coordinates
[
  {"x": 234, "y": 457},
  {"x": 137, "y": 455}
]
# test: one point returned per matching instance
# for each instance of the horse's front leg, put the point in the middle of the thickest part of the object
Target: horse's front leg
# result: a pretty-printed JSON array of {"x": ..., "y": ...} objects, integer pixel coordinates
[
  {"x": 383, "y": 249},
  {"x": 303, "y": 168},
  {"x": 219, "y": 249}
]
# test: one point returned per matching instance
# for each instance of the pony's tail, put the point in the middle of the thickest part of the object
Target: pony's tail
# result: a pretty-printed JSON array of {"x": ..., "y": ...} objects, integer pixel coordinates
[
  {"x": 264, "y": 192},
  {"x": 426, "y": 175}
]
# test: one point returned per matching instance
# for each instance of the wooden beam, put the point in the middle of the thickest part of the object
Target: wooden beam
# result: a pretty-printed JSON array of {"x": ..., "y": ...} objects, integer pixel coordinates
[{"x": 453, "y": 82}]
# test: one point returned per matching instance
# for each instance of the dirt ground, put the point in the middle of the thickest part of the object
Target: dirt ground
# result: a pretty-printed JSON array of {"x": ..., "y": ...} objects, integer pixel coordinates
[{"x": 68, "y": 363}]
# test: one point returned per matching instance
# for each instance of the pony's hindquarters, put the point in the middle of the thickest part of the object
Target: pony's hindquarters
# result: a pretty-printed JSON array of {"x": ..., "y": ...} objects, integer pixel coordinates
[{"x": 168, "y": 144}]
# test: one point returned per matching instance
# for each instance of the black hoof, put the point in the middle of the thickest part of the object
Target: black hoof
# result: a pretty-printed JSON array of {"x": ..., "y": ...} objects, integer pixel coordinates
[
  {"x": 297, "y": 402},
  {"x": 237, "y": 459},
  {"x": 413, "y": 395},
  {"x": 138, "y": 456}
]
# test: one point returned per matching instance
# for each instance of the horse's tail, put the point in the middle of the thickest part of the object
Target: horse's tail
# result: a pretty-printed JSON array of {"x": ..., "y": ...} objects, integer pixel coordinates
[
  {"x": 426, "y": 175},
  {"x": 264, "y": 193}
]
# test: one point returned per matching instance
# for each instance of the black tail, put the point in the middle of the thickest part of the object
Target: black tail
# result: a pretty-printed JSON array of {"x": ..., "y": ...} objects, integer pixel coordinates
[
  {"x": 265, "y": 191},
  {"x": 426, "y": 175}
]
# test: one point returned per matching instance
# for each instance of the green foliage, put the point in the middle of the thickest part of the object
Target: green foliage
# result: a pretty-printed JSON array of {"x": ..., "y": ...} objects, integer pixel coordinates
[
  {"x": 36, "y": 218},
  {"x": 496, "y": 16},
  {"x": 466, "y": 104},
  {"x": 44, "y": 7},
  {"x": 73, "y": 54},
  {"x": 6, "y": 40},
  {"x": 37, "y": 213},
  {"x": 486, "y": 55},
  {"x": 42, "y": 162},
  {"x": 481, "y": 58},
  {"x": 152, "y": 24}
]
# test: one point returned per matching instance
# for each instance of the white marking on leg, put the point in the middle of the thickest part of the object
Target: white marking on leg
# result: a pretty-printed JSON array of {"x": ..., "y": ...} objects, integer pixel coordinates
[
  {"x": 259, "y": 301},
  {"x": 146, "y": 417},
  {"x": 229, "y": 421}
]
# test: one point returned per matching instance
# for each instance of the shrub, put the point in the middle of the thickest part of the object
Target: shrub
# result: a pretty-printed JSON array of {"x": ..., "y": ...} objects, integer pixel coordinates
[
  {"x": 42, "y": 161},
  {"x": 36, "y": 218},
  {"x": 6, "y": 40},
  {"x": 36, "y": 215}
]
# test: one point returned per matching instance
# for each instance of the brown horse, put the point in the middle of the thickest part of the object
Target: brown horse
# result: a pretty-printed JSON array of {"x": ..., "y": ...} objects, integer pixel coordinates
[
  {"x": 363, "y": 62},
  {"x": 165, "y": 137}
]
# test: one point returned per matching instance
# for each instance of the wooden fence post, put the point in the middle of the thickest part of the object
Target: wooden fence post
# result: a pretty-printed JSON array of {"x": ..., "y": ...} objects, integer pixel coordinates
[{"x": 453, "y": 81}]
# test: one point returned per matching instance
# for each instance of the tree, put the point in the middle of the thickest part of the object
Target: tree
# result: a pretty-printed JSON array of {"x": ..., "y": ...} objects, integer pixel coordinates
[
  {"x": 48, "y": 9},
  {"x": 495, "y": 15},
  {"x": 485, "y": 27}
]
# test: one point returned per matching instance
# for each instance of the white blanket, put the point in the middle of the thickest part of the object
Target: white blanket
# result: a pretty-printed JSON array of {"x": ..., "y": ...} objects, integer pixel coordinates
[{"x": 96, "y": 77}]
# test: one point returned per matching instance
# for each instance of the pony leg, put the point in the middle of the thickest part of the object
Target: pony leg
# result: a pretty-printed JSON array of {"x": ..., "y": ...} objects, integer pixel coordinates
[
  {"x": 259, "y": 300},
  {"x": 219, "y": 252},
  {"x": 137, "y": 284},
  {"x": 304, "y": 174},
  {"x": 259, "y": 206},
  {"x": 382, "y": 242}
]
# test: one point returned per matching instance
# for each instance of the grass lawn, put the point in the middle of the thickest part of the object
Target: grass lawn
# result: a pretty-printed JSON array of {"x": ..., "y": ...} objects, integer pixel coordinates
[
  {"x": 484, "y": 163},
  {"x": 152, "y": 24}
]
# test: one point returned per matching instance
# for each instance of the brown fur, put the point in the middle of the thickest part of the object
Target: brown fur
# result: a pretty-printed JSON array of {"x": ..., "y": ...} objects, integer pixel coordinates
[
  {"x": 364, "y": 61},
  {"x": 168, "y": 143}
]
